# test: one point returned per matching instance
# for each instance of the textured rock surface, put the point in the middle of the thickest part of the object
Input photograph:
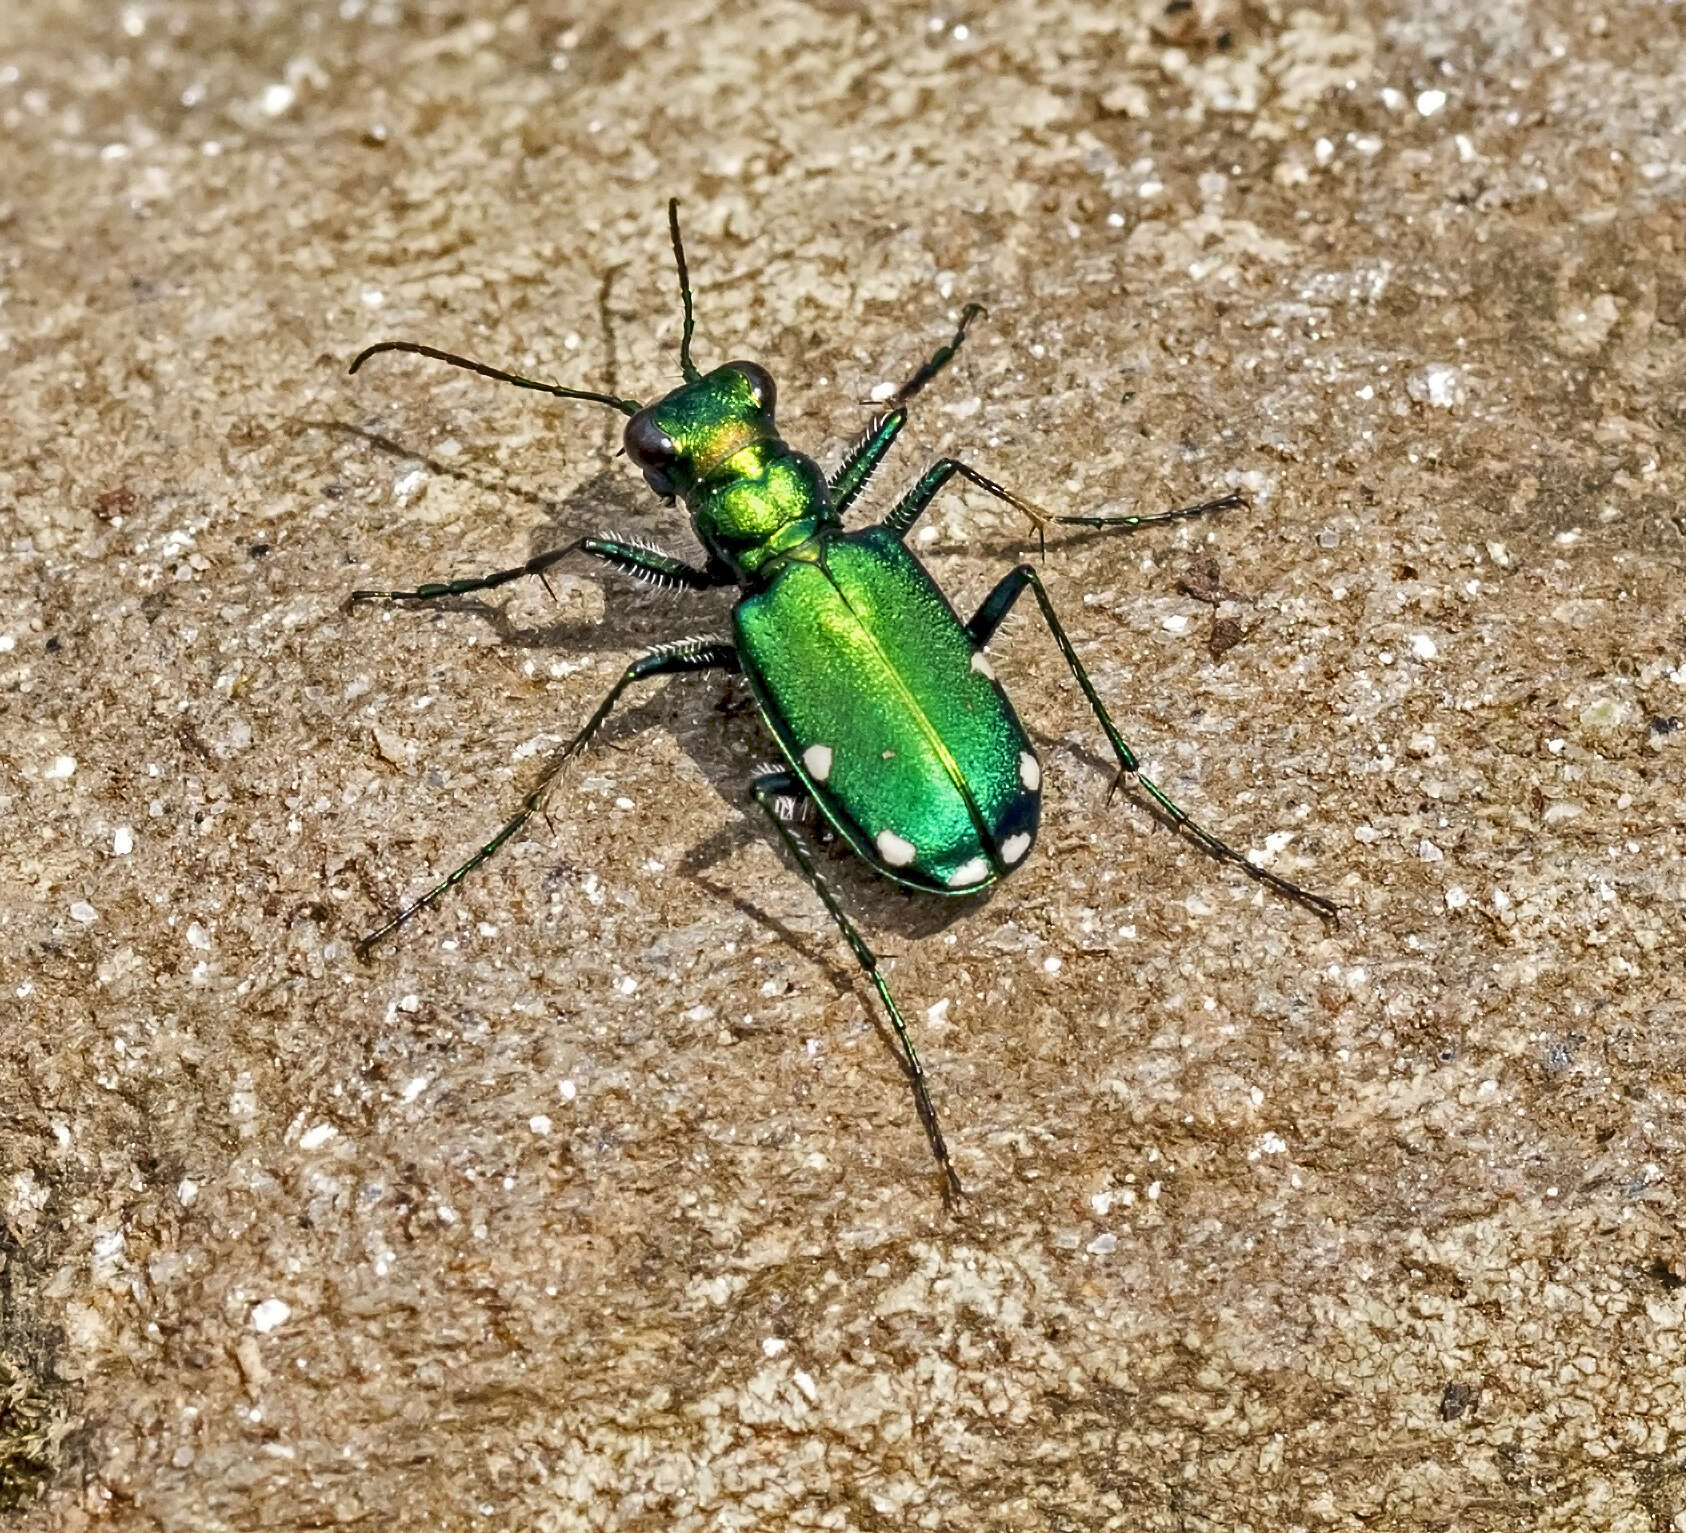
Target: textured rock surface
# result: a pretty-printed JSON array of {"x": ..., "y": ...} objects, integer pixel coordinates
[{"x": 597, "y": 1200}]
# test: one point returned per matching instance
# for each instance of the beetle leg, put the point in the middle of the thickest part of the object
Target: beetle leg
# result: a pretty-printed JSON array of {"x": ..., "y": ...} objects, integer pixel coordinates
[
  {"x": 940, "y": 358},
  {"x": 981, "y": 629},
  {"x": 868, "y": 450},
  {"x": 669, "y": 660},
  {"x": 862, "y": 458},
  {"x": 767, "y": 791},
  {"x": 912, "y": 505},
  {"x": 642, "y": 563}
]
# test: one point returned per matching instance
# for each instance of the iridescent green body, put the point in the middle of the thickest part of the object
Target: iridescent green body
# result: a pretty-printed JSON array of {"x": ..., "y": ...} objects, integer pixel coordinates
[
  {"x": 880, "y": 698},
  {"x": 886, "y": 711},
  {"x": 888, "y": 714}
]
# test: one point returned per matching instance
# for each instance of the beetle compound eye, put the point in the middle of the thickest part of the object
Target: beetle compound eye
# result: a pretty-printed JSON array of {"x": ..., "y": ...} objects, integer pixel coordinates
[
  {"x": 654, "y": 451},
  {"x": 761, "y": 384},
  {"x": 648, "y": 445}
]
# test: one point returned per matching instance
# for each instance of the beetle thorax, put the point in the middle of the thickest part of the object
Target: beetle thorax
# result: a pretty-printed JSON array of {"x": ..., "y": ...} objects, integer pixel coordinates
[
  {"x": 771, "y": 497},
  {"x": 714, "y": 444}
]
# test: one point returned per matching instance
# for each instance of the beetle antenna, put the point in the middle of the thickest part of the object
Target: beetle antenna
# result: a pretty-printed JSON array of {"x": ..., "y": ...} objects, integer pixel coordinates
[
  {"x": 686, "y": 365},
  {"x": 625, "y": 406}
]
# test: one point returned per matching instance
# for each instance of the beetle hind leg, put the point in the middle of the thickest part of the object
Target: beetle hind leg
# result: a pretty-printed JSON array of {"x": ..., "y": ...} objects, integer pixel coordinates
[
  {"x": 772, "y": 790},
  {"x": 990, "y": 615}
]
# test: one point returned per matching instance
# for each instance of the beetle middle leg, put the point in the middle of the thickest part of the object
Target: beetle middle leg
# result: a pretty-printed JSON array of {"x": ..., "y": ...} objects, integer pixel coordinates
[
  {"x": 981, "y": 629},
  {"x": 768, "y": 791},
  {"x": 912, "y": 505},
  {"x": 668, "y": 660},
  {"x": 648, "y": 564}
]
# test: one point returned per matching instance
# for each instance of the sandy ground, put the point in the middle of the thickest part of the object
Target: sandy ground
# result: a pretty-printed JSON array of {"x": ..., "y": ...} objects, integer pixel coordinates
[{"x": 596, "y": 1199}]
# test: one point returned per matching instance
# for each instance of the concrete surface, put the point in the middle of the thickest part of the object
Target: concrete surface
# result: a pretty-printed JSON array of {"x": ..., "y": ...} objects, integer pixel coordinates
[{"x": 596, "y": 1200}]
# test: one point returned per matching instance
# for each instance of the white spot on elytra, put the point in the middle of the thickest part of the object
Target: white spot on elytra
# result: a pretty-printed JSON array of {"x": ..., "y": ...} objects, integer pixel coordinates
[
  {"x": 895, "y": 851},
  {"x": 968, "y": 873},
  {"x": 980, "y": 664},
  {"x": 1030, "y": 771},
  {"x": 1014, "y": 847},
  {"x": 817, "y": 759}
]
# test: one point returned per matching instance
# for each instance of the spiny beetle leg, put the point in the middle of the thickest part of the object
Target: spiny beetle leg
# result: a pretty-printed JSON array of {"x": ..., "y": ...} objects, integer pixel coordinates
[
  {"x": 642, "y": 563},
  {"x": 862, "y": 459},
  {"x": 981, "y": 629},
  {"x": 767, "y": 790},
  {"x": 868, "y": 450},
  {"x": 669, "y": 660}
]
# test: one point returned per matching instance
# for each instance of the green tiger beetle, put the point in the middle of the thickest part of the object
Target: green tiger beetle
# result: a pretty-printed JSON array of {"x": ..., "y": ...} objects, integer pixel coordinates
[{"x": 881, "y": 700}]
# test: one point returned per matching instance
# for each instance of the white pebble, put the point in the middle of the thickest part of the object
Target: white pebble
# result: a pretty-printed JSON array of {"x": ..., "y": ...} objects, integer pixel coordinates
[
  {"x": 270, "y": 1314},
  {"x": 1439, "y": 384}
]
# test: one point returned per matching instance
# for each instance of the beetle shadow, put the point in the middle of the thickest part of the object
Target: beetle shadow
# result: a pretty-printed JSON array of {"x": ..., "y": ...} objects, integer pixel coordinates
[
  {"x": 634, "y": 613},
  {"x": 853, "y": 884},
  {"x": 438, "y": 468}
]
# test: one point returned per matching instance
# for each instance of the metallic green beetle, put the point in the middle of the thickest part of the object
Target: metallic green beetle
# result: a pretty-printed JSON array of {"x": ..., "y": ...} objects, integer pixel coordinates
[{"x": 881, "y": 699}]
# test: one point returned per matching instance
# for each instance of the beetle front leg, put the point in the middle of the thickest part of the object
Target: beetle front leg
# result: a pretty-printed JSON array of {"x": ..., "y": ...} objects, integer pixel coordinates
[
  {"x": 869, "y": 449},
  {"x": 648, "y": 564},
  {"x": 669, "y": 660},
  {"x": 981, "y": 629},
  {"x": 768, "y": 790}
]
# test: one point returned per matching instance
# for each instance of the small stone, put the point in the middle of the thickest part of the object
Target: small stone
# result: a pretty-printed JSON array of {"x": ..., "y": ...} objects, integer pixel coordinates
[
  {"x": 1439, "y": 385},
  {"x": 1607, "y": 713},
  {"x": 270, "y": 1314}
]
